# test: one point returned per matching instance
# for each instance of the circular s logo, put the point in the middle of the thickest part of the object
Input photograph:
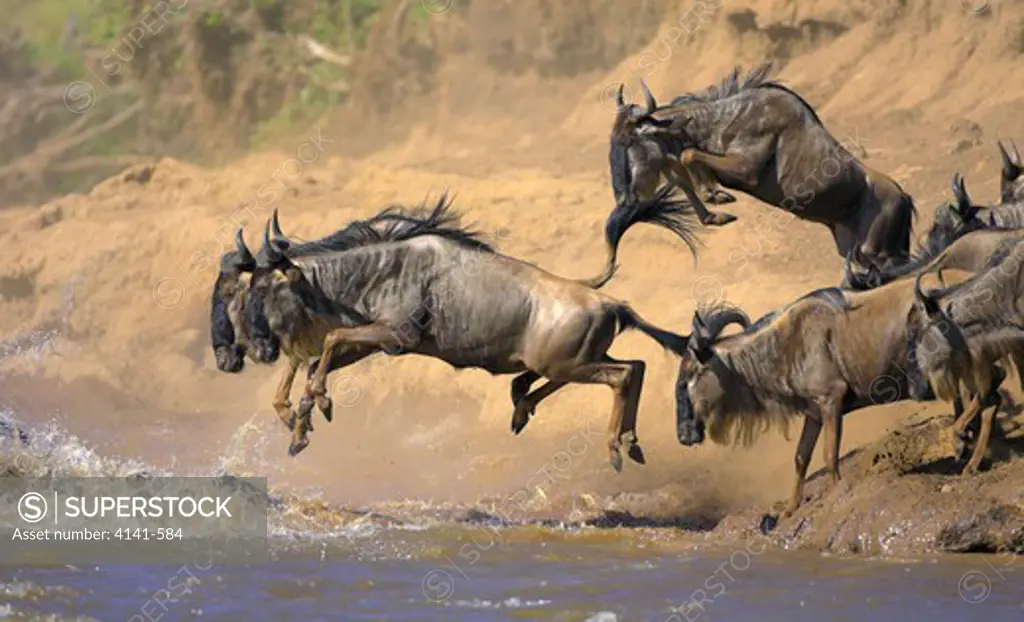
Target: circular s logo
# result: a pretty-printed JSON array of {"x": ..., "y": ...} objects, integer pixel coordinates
[{"x": 32, "y": 507}]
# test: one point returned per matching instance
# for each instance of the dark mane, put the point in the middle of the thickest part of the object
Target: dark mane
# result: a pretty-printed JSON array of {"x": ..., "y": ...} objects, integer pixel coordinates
[
  {"x": 756, "y": 78},
  {"x": 711, "y": 313},
  {"x": 396, "y": 224}
]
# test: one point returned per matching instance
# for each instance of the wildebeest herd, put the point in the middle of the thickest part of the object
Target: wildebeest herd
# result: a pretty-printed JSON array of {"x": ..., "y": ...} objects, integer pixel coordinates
[{"x": 943, "y": 322}]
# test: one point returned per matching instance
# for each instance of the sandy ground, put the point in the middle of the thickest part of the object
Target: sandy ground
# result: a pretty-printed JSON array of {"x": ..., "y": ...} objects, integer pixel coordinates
[{"x": 121, "y": 276}]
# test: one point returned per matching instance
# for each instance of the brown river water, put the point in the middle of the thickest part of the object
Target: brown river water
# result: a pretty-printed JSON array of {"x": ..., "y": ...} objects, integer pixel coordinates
[{"x": 413, "y": 560}]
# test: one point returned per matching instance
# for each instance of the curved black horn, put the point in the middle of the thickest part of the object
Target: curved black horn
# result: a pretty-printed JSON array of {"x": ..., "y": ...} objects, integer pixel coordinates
[
  {"x": 244, "y": 255},
  {"x": 930, "y": 306},
  {"x": 723, "y": 318},
  {"x": 273, "y": 252},
  {"x": 275, "y": 227},
  {"x": 1016, "y": 154},
  {"x": 648, "y": 98},
  {"x": 963, "y": 201},
  {"x": 619, "y": 99}
]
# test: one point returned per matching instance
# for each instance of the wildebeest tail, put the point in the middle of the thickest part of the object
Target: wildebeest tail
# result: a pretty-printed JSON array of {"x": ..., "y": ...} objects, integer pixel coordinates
[
  {"x": 903, "y": 225},
  {"x": 662, "y": 210},
  {"x": 628, "y": 318}
]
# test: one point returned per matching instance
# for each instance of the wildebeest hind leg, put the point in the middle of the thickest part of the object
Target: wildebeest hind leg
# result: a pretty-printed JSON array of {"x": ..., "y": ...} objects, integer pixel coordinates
[
  {"x": 528, "y": 403},
  {"x": 628, "y": 431},
  {"x": 618, "y": 376}
]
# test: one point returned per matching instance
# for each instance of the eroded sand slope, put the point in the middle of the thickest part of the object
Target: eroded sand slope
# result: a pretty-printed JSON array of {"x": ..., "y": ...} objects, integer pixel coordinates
[{"x": 122, "y": 274}]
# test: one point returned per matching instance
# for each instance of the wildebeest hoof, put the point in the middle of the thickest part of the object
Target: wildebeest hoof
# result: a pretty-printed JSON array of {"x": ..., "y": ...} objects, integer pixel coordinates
[
  {"x": 326, "y": 407},
  {"x": 290, "y": 421},
  {"x": 305, "y": 406},
  {"x": 768, "y": 524},
  {"x": 636, "y": 454},
  {"x": 720, "y": 197},
  {"x": 297, "y": 446},
  {"x": 519, "y": 423},
  {"x": 717, "y": 219},
  {"x": 615, "y": 458}
]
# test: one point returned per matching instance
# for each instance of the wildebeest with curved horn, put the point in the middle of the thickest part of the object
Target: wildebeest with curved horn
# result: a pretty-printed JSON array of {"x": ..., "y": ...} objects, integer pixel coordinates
[
  {"x": 974, "y": 327},
  {"x": 440, "y": 291},
  {"x": 970, "y": 252},
  {"x": 239, "y": 329},
  {"x": 827, "y": 354},
  {"x": 763, "y": 139},
  {"x": 956, "y": 219}
]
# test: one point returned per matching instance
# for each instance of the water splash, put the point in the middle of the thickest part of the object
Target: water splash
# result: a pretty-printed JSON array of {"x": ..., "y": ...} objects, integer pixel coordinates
[{"x": 41, "y": 342}]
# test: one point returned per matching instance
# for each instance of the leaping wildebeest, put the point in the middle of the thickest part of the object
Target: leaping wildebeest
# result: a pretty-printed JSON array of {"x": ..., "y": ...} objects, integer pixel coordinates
[
  {"x": 761, "y": 138},
  {"x": 827, "y": 354},
  {"x": 973, "y": 326},
  {"x": 239, "y": 329},
  {"x": 440, "y": 291}
]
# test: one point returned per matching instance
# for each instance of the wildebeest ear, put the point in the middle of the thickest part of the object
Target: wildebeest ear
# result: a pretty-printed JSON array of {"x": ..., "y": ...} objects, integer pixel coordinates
[{"x": 245, "y": 261}]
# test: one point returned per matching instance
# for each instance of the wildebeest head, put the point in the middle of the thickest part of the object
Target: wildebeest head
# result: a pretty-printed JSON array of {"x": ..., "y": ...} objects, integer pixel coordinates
[
  {"x": 272, "y": 279},
  {"x": 1011, "y": 182},
  {"x": 860, "y": 272},
  {"x": 636, "y": 157},
  {"x": 953, "y": 220},
  {"x": 703, "y": 383},
  {"x": 940, "y": 352},
  {"x": 227, "y": 335}
]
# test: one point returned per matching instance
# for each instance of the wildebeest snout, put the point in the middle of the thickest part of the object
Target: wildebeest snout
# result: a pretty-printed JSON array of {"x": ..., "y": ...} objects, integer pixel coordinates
[
  {"x": 688, "y": 429},
  {"x": 230, "y": 359},
  {"x": 690, "y": 433},
  {"x": 266, "y": 351}
]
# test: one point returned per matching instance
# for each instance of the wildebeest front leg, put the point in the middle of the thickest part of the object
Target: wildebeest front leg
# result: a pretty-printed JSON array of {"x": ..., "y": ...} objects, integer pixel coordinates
[
  {"x": 303, "y": 420},
  {"x": 682, "y": 178},
  {"x": 804, "y": 448},
  {"x": 361, "y": 339},
  {"x": 981, "y": 445},
  {"x": 526, "y": 405},
  {"x": 988, "y": 405},
  {"x": 282, "y": 403}
]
